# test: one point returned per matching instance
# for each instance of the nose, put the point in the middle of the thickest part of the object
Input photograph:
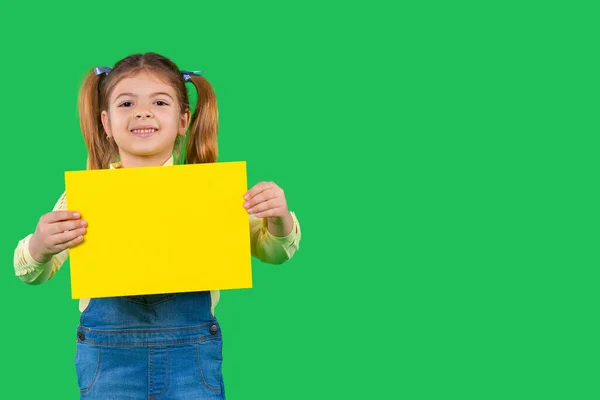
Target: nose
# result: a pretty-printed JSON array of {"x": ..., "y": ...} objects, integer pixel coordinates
[{"x": 143, "y": 114}]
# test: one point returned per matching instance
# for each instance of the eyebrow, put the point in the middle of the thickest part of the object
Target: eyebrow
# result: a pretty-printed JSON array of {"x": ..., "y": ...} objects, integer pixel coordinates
[{"x": 151, "y": 95}]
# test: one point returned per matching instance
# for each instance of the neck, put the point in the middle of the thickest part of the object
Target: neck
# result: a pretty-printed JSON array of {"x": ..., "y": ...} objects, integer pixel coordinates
[{"x": 156, "y": 160}]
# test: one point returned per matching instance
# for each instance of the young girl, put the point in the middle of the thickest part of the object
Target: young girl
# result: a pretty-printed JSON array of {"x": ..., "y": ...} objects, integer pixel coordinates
[{"x": 164, "y": 346}]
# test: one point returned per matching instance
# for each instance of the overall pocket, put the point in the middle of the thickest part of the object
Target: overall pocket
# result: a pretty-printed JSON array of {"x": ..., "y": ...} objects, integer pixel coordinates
[
  {"x": 150, "y": 299},
  {"x": 209, "y": 359},
  {"x": 88, "y": 360}
]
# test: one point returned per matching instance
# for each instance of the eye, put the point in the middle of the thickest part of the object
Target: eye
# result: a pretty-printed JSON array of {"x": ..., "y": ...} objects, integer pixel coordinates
[
  {"x": 124, "y": 104},
  {"x": 160, "y": 103}
]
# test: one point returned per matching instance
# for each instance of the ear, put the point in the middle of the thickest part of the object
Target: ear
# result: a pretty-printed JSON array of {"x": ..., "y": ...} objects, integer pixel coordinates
[
  {"x": 105, "y": 122},
  {"x": 184, "y": 122}
]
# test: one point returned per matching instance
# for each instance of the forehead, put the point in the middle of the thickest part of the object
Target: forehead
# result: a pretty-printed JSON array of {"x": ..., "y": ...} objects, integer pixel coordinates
[{"x": 142, "y": 84}]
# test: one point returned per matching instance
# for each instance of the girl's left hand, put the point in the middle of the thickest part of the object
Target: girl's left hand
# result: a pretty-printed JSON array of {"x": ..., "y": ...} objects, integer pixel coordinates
[{"x": 266, "y": 199}]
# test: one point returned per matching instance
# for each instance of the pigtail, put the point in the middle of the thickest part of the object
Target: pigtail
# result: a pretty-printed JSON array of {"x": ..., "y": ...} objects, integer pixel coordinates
[
  {"x": 101, "y": 150},
  {"x": 202, "y": 136}
]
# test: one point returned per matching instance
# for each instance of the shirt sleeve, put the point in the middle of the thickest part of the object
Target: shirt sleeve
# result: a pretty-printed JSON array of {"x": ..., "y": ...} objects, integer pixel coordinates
[
  {"x": 31, "y": 271},
  {"x": 273, "y": 249}
]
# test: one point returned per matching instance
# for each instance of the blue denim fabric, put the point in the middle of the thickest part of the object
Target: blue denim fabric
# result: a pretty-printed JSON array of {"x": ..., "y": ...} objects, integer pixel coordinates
[{"x": 166, "y": 346}]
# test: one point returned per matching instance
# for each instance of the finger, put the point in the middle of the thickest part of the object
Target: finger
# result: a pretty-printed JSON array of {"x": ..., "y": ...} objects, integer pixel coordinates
[
  {"x": 60, "y": 227},
  {"x": 273, "y": 212},
  {"x": 68, "y": 236},
  {"x": 258, "y": 188},
  {"x": 70, "y": 243},
  {"x": 57, "y": 216},
  {"x": 268, "y": 194},
  {"x": 265, "y": 205}
]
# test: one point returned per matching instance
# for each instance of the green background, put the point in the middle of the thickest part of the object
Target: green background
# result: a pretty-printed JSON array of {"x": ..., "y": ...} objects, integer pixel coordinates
[{"x": 441, "y": 159}]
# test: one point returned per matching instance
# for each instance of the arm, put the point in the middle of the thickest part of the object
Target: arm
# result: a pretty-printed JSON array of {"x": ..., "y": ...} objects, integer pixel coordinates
[
  {"x": 270, "y": 248},
  {"x": 31, "y": 271}
]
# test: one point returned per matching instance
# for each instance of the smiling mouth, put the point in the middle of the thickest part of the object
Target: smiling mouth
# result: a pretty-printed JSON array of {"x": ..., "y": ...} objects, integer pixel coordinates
[{"x": 144, "y": 132}]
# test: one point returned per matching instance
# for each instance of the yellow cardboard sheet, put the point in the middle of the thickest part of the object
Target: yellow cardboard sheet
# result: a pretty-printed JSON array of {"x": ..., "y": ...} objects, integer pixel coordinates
[{"x": 159, "y": 230}]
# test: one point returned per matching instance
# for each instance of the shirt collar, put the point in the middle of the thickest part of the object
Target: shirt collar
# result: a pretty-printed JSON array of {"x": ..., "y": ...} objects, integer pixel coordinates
[{"x": 167, "y": 163}]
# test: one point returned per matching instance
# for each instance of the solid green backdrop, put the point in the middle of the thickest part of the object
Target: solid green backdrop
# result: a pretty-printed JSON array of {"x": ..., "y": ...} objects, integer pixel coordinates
[{"x": 441, "y": 159}]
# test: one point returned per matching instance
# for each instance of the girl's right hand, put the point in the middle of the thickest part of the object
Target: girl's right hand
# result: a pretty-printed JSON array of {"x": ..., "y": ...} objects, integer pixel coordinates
[{"x": 55, "y": 232}]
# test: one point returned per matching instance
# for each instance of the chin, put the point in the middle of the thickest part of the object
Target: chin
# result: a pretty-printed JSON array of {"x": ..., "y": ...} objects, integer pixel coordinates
[
  {"x": 146, "y": 147},
  {"x": 144, "y": 151}
]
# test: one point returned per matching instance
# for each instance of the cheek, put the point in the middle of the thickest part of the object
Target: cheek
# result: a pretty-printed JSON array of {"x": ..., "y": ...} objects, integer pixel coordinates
[
  {"x": 169, "y": 119},
  {"x": 118, "y": 119},
  {"x": 168, "y": 116}
]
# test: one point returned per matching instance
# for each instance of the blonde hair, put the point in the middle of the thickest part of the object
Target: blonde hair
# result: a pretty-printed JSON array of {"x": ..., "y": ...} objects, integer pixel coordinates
[{"x": 96, "y": 89}]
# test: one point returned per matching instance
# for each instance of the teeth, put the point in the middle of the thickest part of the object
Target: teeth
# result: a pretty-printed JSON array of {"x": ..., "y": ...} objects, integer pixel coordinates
[{"x": 144, "y": 130}]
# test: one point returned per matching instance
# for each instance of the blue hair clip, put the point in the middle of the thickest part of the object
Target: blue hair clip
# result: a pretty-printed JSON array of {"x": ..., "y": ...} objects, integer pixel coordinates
[
  {"x": 102, "y": 70},
  {"x": 187, "y": 75}
]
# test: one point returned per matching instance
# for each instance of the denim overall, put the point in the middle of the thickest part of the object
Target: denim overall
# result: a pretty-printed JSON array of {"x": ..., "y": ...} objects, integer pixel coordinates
[{"x": 165, "y": 346}]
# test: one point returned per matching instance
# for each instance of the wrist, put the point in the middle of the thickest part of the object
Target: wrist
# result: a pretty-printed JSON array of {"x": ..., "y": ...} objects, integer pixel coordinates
[
  {"x": 36, "y": 255},
  {"x": 280, "y": 220},
  {"x": 280, "y": 226}
]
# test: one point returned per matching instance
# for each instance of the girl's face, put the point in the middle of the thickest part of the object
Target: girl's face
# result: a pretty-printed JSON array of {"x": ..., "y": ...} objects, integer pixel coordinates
[{"x": 143, "y": 119}]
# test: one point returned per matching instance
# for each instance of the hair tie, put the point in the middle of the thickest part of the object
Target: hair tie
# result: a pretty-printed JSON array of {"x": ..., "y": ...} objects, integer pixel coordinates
[
  {"x": 187, "y": 75},
  {"x": 102, "y": 70}
]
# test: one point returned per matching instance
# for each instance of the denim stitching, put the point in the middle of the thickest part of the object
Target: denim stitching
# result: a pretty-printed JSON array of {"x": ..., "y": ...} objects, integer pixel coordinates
[
  {"x": 140, "y": 344},
  {"x": 86, "y": 390},
  {"x": 166, "y": 379},
  {"x": 150, "y": 349},
  {"x": 216, "y": 389},
  {"x": 169, "y": 297},
  {"x": 185, "y": 328}
]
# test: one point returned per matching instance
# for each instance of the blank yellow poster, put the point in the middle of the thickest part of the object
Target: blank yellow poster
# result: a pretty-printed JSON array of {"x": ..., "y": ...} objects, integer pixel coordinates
[{"x": 160, "y": 230}]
